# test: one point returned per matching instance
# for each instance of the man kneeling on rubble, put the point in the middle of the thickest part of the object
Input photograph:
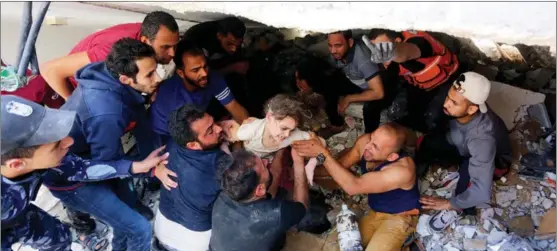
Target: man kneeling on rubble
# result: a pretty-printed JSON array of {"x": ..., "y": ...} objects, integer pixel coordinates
[
  {"x": 389, "y": 179},
  {"x": 477, "y": 144}
]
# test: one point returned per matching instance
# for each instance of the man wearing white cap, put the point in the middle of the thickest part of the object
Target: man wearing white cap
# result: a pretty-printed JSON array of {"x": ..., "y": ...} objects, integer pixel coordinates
[{"x": 477, "y": 143}]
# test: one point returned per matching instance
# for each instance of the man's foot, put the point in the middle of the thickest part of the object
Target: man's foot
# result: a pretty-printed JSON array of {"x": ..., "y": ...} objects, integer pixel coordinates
[
  {"x": 447, "y": 181},
  {"x": 145, "y": 211},
  {"x": 442, "y": 219}
]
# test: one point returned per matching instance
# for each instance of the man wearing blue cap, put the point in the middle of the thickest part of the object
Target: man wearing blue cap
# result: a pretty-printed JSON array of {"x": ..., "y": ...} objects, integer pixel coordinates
[{"x": 35, "y": 138}]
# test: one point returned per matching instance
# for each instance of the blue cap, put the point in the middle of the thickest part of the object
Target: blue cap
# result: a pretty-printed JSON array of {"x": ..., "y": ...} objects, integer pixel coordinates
[{"x": 26, "y": 124}]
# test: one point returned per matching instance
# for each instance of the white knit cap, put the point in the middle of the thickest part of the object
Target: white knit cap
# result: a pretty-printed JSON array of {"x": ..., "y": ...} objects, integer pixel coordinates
[{"x": 474, "y": 87}]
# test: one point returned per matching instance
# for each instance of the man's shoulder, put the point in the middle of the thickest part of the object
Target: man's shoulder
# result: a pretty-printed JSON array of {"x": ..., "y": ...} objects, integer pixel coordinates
[{"x": 361, "y": 52}]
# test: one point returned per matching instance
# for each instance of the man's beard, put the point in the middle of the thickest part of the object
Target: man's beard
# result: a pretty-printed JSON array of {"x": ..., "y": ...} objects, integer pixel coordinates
[
  {"x": 194, "y": 82},
  {"x": 212, "y": 146}
]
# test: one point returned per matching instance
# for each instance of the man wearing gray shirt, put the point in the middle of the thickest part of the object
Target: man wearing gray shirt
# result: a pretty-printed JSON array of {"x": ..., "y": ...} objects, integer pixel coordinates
[
  {"x": 353, "y": 57},
  {"x": 477, "y": 141}
]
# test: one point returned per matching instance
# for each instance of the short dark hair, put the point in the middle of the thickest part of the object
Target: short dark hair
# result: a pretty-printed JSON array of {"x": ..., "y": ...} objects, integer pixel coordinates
[
  {"x": 18, "y": 153},
  {"x": 186, "y": 46},
  {"x": 124, "y": 53},
  {"x": 153, "y": 21},
  {"x": 391, "y": 34},
  {"x": 347, "y": 34},
  {"x": 314, "y": 70},
  {"x": 180, "y": 120},
  {"x": 232, "y": 25},
  {"x": 239, "y": 178}
]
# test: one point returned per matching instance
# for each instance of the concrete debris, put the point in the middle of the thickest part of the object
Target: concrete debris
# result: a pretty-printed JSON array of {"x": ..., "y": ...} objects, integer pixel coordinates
[
  {"x": 547, "y": 203},
  {"x": 487, "y": 213},
  {"x": 522, "y": 226},
  {"x": 449, "y": 247},
  {"x": 496, "y": 236},
  {"x": 503, "y": 179},
  {"x": 553, "y": 196},
  {"x": 475, "y": 245},
  {"x": 519, "y": 187},
  {"x": 423, "y": 226},
  {"x": 505, "y": 198},
  {"x": 468, "y": 231}
]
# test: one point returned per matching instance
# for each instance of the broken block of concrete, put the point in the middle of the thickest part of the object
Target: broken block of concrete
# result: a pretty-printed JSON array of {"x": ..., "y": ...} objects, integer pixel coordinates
[
  {"x": 547, "y": 203},
  {"x": 547, "y": 226},
  {"x": 522, "y": 226},
  {"x": 475, "y": 245},
  {"x": 496, "y": 236},
  {"x": 505, "y": 198}
]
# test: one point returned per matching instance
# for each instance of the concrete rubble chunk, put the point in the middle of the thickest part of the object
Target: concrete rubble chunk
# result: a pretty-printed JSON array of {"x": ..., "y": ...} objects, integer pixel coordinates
[
  {"x": 423, "y": 226},
  {"x": 496, "y": 236},
  {"x": 522, "y": 226},
  {"x": 547, "y": 203},
  {"x": 553, "y": 196},
  {"x": 519, "y": 187},
  {"x": 505, "y": 198},
  {"x": 475, "y": 245}
]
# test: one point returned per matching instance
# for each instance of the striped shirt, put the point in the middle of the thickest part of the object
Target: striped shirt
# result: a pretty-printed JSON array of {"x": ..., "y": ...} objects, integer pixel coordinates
[{"x": 172, "y": 94}]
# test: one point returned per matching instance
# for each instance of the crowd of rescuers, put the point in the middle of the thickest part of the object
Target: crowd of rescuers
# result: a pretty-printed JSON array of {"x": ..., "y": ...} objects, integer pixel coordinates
[{"x": 214, "y": 194}]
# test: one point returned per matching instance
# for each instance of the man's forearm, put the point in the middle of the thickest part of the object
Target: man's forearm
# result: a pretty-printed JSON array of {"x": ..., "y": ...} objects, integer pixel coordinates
[
  {"x": 367, "y": 95},
  {"x": 300, "y": 185},
  {"x": 342, "y": 176},
  {"x": 276, "y": 171},
  {"x": 240, "y": 114},
  {"x": 58, "y": 84}
]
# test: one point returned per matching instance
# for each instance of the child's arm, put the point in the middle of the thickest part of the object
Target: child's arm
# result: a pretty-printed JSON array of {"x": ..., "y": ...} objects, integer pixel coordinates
[{"x": 236, "y": 132}]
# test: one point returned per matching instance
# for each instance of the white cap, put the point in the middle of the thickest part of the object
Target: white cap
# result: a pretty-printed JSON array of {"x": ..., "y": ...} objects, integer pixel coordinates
[{"x": 474, "y": 87}]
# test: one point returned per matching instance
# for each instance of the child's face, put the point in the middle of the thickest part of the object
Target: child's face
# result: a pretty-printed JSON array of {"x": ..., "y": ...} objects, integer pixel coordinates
[
  {"x": 281, "y": 129},
  {"x": 50, "y": 155}
]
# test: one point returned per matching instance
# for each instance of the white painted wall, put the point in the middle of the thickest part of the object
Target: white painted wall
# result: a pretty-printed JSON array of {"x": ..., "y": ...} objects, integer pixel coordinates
[{"x": 531, "y": 23}]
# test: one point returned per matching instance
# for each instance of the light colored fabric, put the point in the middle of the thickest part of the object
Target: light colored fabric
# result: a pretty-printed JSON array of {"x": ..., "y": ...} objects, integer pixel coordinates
[
  {"x": 176, "y": 237},
  {"x": 386, "y": 232},
  {"x": 252, "y": 135}
]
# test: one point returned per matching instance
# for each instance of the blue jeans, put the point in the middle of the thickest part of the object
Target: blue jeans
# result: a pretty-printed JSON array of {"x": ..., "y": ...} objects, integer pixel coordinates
[
  {"x": 131, "y": 230},
  {"x": 39, "y": 230}
]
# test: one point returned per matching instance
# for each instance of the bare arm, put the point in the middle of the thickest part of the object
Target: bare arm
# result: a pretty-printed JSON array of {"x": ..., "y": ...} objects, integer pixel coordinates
[
  {"x": 239, "y": 113},
  {"x": 57, "y": 71},
  {"x": 405, "y": 52},
  {"x": 276, "y": 171},
  {"x": 300, "y": 180},
  {"x": 353, "y": 156},
  {"x": 374, "y": 92}
]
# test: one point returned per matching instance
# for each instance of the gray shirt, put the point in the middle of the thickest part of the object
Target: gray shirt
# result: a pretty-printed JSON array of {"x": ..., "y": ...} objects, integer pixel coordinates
[
  {"x": 358, "y": 67},
  {"x": 482, "y": 139}
]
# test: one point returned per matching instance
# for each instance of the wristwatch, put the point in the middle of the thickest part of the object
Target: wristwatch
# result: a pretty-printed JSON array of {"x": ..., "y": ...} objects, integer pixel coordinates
[{"x": 320, "y": 158}]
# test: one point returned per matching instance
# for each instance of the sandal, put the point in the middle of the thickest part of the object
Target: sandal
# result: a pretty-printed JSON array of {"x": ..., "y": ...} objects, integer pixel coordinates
[{"x": 93, "y": 242}]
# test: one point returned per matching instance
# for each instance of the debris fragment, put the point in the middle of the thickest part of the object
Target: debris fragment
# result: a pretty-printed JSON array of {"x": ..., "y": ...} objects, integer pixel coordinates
[
  {"x": 522, "y": 226},
  {"x": 423, "y": 229},
  {"x": 505, "y": 198},
  {"x": 475, "y": 245},
  {"x": 519, "y": 187},
  {"x": 547, "y": 203}
]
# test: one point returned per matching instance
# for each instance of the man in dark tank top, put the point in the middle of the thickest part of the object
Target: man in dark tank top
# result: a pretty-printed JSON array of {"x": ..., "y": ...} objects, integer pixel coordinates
[{"x": 389, "y": 179}]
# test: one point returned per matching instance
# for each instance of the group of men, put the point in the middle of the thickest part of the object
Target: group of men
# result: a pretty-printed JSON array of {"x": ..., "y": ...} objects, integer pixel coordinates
[{"x": 212, "y": 200}]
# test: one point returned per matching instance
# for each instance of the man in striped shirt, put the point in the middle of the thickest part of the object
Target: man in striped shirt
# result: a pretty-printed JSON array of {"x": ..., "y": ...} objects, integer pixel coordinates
[{"x": 193, "y": 83}]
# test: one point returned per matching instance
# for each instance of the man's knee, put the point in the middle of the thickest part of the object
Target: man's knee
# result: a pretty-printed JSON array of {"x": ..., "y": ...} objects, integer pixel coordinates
[{"x": 142, "y": 230}]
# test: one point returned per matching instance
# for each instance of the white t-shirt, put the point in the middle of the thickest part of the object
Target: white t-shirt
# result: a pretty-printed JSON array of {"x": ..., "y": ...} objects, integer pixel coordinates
[{"x": 252, "y": 135}]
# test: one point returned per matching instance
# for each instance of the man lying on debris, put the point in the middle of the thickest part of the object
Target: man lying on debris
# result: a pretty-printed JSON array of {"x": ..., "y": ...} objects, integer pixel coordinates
[
  {"x": 477, "y": 144},
  {"x": 193, "y": 83},
  {"x": 183, "y": 221},
  {"x": 158, "y": 30},
  {"x": 353, "y": 57},
  {"x": 427, "y": 67},
  {"x": 388, "y": 178},
  {"x": 245, "y": 217},
  {"x": 107, "y": 99},
  {"x": 34, "y": 140}
]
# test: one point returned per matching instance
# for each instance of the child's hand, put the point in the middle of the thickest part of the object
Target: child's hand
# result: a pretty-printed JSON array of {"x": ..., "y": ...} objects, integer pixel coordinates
[{"x": 230, "y": 129}]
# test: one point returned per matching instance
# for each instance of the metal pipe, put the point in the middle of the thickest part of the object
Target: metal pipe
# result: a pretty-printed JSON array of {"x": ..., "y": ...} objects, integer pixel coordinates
[
  {"x": 31, "y": 39},
  {"x": 26, "y": 20}
]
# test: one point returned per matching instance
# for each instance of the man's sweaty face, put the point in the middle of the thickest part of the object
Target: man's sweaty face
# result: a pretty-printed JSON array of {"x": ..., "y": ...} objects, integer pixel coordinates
[
  {"x": 338, "y": 46},
  {"x": 164, "y": 44}
]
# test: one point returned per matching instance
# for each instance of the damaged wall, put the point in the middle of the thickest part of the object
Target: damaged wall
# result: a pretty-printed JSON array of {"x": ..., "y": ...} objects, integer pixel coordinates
[{"x": 507, "y": 22}]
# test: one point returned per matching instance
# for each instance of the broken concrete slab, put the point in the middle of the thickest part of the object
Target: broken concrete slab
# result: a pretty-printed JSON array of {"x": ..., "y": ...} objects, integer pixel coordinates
[
  {"x": 547, "y": 225},
  {"x": 506, "y": 101},
  {"x": 475, "y": 245},
  {"x": 496, "y": 236},
  {"x": 505, "y": 198},
  {"x": 547, "y": 203},
  {"x": 423, "y": 226},
  {"x": 522, "y": 226}
]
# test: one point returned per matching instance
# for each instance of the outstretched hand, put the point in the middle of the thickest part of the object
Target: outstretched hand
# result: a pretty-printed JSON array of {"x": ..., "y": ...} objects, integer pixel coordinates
[
  {"x": 309, "y": 148},
  {"x": 151, "y": 161}
]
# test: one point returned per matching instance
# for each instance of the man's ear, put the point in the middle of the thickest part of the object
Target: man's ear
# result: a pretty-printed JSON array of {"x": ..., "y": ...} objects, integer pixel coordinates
[
  {"x": 193, "y": 145},
  {"x": 472, "y": 109},
  {"x": 145, "y": 40},
  {"x": 260, "y": 190},
  {"x": 392, "y": 157},
  {"x": 180, "y": 73},
  {"x": 125, "y": 80},
  {"x": 350, "y": 42},
  {"x": 15, "y": 164}
]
